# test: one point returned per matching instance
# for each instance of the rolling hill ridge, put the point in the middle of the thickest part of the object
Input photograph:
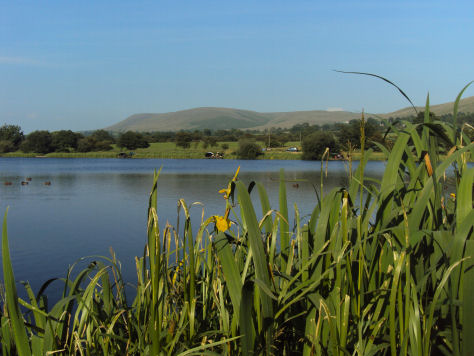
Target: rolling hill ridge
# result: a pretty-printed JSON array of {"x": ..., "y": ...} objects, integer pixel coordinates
[{"x": 227, "y": 118}]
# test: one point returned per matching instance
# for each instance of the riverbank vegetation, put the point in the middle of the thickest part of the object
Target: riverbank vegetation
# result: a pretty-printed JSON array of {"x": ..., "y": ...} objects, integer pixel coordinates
[{"x": 379, "y": 268}]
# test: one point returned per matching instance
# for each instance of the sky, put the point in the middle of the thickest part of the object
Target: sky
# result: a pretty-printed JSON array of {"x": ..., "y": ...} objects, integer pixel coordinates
[{"x": 85, "y": 65}]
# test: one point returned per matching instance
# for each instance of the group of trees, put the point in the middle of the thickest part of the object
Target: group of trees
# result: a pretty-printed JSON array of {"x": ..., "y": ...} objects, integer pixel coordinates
[
  {"x": 13, "y": 139},
  {"x": 66, "y": 141}
]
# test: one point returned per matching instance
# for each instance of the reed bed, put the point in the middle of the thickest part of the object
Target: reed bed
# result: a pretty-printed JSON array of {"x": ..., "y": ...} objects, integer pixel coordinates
[{"x": 380, "y": 268}]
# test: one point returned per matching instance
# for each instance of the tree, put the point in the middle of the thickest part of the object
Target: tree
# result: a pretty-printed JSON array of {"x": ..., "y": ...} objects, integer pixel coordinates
[
  {"x": 38, "y": 141},
  {"x": 6, "y": 146},
  {"x": 88, "y": 144},
  {"x": 249, "y": 150},
  {"x": 351, "y": 133},
  {"x": 11, "y": 136},
  {"x": 102, "y": 135},
  {"x": 65, "y": 140},
  {"x": 315, "y": 144},
  {"x": 183, "y": 139},
  {"x": 132, "y": 140}
]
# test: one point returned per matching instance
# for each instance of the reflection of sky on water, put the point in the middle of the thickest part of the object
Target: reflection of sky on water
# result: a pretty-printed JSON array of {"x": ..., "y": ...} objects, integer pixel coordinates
[{"x": 93, "y": 204}]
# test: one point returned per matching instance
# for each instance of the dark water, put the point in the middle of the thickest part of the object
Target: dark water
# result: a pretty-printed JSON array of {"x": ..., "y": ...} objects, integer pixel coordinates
[{"x": 94, "y": 204}]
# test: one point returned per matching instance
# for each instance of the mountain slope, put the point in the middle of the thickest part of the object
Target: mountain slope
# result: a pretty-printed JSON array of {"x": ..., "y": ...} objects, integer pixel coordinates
[
  {"x": 225, "y": 118},
  {"x": 466, "y": 105}
]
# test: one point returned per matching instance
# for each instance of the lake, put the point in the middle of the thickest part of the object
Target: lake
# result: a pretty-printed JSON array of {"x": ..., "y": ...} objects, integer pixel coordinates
[{"x": 94, "y": 204}]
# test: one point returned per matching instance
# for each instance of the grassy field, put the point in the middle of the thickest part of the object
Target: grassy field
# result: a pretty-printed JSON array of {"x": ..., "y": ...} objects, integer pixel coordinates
[{"x": 170, "y": 150}]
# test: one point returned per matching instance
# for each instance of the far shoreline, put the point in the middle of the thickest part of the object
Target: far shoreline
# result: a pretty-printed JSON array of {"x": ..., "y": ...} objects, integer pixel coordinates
[{"x": 375, "y": 156}]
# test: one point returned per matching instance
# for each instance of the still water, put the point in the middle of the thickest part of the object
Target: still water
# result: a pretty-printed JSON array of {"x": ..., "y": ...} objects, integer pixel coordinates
[{"x": 94, "y": 204}]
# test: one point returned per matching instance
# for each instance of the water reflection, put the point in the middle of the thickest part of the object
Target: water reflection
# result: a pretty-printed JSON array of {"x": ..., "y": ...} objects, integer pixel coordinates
[{"x": 92, "y": 205}]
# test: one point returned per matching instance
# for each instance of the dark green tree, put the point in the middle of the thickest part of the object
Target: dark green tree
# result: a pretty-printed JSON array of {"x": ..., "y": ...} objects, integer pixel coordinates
[
  {"x": 349, "y": 134},
  {"x": 315, "y": 144},
  {"x": 102, "y": 135},
  {"x": 65, "y": 140},
  {"x": 132, "y": 140},
  {"x": 88, "y": 144},
  {"x": 183, "y": 139},
  {"x": 38, "y": 141},
  {"x": 11, "y": 137},
  {"x": 249, "y": 150}
]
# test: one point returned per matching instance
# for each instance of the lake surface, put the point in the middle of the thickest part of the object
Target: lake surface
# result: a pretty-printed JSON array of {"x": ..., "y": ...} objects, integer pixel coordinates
[{"x": 94, "y": 204}]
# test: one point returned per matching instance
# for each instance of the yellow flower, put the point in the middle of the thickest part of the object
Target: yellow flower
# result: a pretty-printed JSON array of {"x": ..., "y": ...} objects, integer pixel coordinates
[
  {"x": 453, "y": 196},
  {"x": 226, "y": 191},
  {"x": 223, "y": 222}
]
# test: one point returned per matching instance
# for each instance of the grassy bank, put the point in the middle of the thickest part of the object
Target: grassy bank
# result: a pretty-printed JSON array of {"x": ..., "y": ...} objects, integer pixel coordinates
[
  {"x": 380, "y": 268},
  {"x": 170, "y": 150}
]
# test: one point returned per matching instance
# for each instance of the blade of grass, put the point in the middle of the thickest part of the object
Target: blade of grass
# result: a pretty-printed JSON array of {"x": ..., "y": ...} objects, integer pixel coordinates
[{"x": 14, "y": 314}]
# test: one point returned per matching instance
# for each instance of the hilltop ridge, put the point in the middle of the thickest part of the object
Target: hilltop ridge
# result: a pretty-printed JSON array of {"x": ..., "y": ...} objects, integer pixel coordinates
[{"x": 227, "y": 118}]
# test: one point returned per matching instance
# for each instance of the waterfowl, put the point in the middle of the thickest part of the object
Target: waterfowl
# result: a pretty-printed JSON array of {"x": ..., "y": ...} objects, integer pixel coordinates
[
  {"x": 47, "y": 183},
  {"x": 28, "y": 179},
  {"x": 7, "y": 183},
  {"x": 23, "y": 182}
]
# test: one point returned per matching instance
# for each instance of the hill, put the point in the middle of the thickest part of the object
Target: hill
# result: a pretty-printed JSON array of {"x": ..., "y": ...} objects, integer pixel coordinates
[
  {"x": 466, "y": 105},
  {"x": 226, "y": 118}
]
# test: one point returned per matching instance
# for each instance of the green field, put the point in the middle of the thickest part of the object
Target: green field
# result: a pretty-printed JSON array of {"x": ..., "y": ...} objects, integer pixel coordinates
[
  {"x": 170, "y": 150},
  {"x": 167, "y": 150}
]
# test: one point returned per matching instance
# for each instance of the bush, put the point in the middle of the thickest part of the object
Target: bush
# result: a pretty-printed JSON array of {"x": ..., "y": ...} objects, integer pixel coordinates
[
  {"x": 249, "y": 150},
  {"x": 315, "y": 144}
]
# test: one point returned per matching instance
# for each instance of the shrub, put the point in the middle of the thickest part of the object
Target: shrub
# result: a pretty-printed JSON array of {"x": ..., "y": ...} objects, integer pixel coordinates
[
  {"x": 315, "y": 144},
  {"x": 249, "y": 150}
]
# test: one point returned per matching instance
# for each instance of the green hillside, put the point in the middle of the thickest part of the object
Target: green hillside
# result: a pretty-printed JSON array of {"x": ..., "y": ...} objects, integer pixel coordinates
[
  {"x": 225, "y": 118},
  {"x": 466, "y": 105}
]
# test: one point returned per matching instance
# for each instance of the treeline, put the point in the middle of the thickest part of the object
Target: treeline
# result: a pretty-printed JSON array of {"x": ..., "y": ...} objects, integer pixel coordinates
[
  {"x": 312, "y": 139},
  {"x": 13, "y": 139}
]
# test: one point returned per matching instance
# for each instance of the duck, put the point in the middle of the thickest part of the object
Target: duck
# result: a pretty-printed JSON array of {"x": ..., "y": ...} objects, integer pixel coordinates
[
  {"x": 47, "y": 183},
  {"x": 28, "y": 179},
  {"x": 24, "y": 182},
  {"x": 7, "y": 183}
]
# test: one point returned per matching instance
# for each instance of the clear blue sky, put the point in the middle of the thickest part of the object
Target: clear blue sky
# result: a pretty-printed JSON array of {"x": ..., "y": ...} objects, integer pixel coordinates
[{"x": 84, "y": 65}]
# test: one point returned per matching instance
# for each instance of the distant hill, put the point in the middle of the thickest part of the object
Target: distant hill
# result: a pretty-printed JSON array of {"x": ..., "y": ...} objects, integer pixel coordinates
[
  {"x": 225, "y": 118},
  {"x": 465, "y": 105}
]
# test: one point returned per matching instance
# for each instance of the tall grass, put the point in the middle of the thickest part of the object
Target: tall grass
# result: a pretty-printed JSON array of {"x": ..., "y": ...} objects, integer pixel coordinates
[{"x": 381, "y": 267}]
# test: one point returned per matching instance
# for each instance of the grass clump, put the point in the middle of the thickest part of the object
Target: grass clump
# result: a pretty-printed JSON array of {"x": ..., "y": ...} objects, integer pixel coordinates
[{"x": 379, "y": 268}]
